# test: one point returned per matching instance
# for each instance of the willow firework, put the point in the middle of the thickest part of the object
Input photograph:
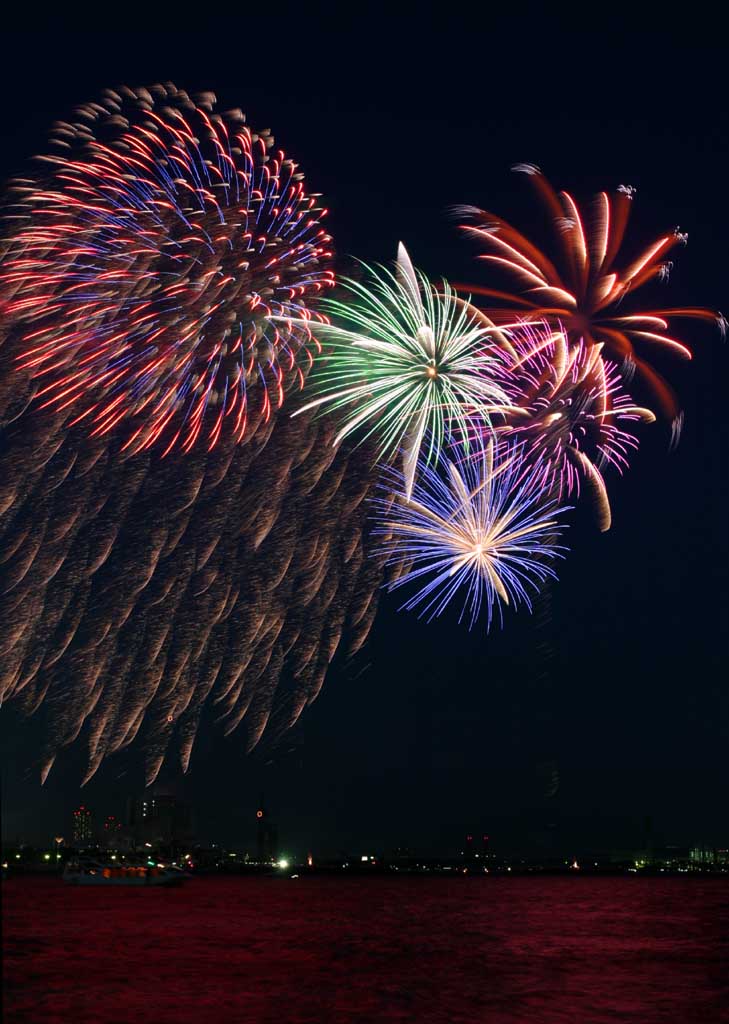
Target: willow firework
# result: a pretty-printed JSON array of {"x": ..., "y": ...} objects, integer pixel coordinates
[
  {"x": 580, "y": 289},
  {"x": 145, "y": 262},
  {"x": 404, "y": 363},
  {"x": 483, "y": 530},
  {"x": 143, "y": 596}
]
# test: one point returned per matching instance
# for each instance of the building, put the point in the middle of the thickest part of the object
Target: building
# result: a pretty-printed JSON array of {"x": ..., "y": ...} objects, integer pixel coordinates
[
  {"x": 467, "y": 851},
  {"x": 159, "y": 819},
  {"x": 111, "y": 832},
  {"x": 475, "y": 851},
  {"x": 82, "y": 827},
  {"x": 266, "y": 836}
]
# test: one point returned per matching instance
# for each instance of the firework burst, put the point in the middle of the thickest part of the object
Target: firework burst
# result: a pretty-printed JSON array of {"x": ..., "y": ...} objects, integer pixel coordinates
[
  {"x": 145, "y": 262},
  {"x": 569, "y": 407},
  {"x": 484, "y": 529},
  {"x": 580, "y": 289},
  {"x": 405, "y": 362}
]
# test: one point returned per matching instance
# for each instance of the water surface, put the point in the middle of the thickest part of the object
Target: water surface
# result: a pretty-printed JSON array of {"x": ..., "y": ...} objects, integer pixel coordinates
[{"x": 522, "y": 950}]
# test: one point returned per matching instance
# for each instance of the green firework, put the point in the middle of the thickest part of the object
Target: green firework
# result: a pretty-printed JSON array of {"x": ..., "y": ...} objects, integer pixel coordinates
[{"x": 406, "y": 364}]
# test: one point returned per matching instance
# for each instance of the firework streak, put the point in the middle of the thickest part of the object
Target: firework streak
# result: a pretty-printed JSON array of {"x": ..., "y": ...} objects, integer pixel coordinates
[{"x": 139, "y": 592}]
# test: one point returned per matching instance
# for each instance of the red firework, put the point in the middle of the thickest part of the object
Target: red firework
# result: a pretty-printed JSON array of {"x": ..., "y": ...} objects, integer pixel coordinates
[
  {"x": 145, "y": 261},
  {"x": 582, "y": 290}
]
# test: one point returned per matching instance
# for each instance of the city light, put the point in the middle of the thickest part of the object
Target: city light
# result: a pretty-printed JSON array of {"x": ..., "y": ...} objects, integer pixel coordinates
[{"x": 283, "y": 864}]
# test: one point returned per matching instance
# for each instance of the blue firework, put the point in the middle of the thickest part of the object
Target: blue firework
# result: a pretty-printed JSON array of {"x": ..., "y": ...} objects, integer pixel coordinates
[{"x": 482, "y": 530}]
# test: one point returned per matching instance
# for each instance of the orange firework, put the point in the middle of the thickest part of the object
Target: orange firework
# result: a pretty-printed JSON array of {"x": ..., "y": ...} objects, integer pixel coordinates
[{"x": 582, "y": 291}]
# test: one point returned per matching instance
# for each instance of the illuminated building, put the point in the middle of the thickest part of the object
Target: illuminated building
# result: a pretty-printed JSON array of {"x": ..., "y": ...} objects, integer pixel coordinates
[
  {"x": 81, "y": 829},
  {"x": 159, "y": 819},
  {"x": 702, "y": 855}
]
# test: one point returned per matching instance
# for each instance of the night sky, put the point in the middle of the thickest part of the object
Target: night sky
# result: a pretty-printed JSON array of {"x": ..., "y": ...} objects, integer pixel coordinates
[{"x": 616, "y": 691}]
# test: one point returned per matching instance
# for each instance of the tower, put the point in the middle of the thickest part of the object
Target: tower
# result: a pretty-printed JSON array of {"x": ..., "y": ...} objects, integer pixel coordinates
[{"x": 266, "y": 836}]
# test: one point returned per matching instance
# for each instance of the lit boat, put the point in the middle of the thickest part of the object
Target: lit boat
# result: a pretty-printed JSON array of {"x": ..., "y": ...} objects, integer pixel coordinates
[{"x": 96, "y": 872}]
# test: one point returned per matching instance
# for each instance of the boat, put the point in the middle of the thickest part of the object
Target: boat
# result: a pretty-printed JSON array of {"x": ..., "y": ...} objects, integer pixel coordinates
[{"x": 85, "y": 871}]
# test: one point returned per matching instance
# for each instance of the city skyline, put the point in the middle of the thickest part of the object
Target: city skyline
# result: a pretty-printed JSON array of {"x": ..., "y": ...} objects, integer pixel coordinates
[{"x": 163, "y": 817}]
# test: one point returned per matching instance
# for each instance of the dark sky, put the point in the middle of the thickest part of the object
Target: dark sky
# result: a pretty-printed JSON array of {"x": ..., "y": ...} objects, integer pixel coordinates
[{"x": 619, "y": 689}]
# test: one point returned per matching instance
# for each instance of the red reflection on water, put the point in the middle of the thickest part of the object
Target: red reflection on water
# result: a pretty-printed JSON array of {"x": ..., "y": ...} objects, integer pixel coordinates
[{"x": 335, "y": 951}]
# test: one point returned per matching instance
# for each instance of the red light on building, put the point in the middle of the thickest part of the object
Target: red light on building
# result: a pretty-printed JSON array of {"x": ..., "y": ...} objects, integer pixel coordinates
[{"x": 259, "y": 814}]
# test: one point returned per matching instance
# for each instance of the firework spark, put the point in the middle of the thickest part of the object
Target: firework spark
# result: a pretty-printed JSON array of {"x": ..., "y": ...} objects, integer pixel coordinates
[
  {"x": 484, "y": 529},
  {"x": 580, "y": 290},
  {"x": 145, "y": 261},
  {"x": 405, "y": 363}
]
